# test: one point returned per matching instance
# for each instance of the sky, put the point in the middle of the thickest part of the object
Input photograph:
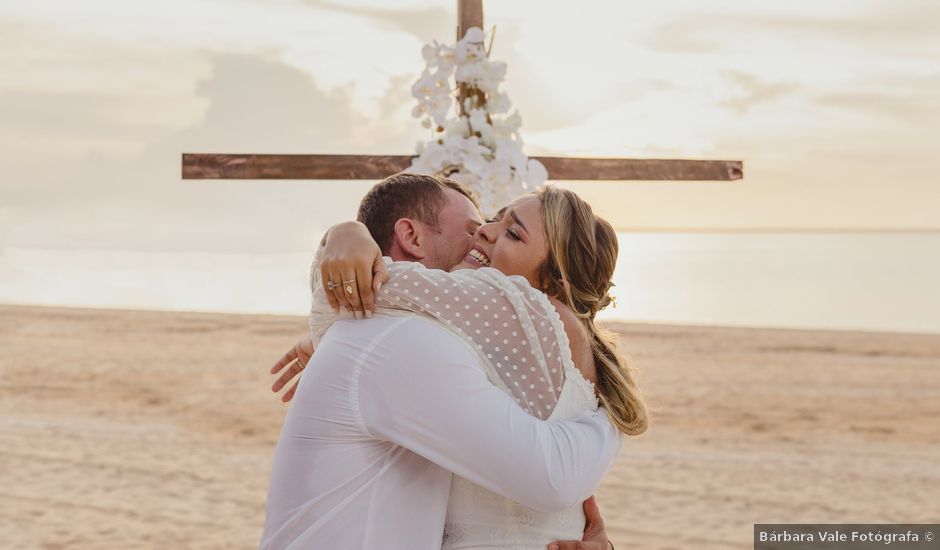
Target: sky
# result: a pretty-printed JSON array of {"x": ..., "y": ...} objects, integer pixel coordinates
[{"x": 832, "y": 106}]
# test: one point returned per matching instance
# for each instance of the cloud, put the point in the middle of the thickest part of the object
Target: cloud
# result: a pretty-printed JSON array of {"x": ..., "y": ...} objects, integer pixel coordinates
[
  {"x": 426, "y": 24},
  {"x": 138, "y": 202},
  {"x": 682, "y": 35},
  {"x": 904, "y": 28},
  {"x": 749, "y": 91},
  {"x": 10, "y": 29},
  {"x": 542, "y": 105},
  {"x": 265, "y": 106},
  {"x": 73, "y": 114},
  {"x": 910, "y": 100},
  {"x": 251, "y": 104},
  {"x": 904, "y": 107}
]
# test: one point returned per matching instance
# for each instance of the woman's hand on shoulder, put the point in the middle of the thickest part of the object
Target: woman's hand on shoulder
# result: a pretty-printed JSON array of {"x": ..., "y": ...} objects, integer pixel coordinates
[
  {"x": 577, "y": 339},
  {"x": 352, "y": 262}
]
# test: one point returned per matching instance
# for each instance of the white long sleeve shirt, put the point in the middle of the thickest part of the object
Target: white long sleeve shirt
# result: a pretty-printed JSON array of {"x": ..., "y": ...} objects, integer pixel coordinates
[{"x": 386, "y": 410}]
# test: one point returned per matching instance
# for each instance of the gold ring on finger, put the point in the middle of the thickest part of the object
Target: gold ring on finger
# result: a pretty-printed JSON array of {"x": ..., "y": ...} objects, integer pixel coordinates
[{"x": 349, "y": 286}]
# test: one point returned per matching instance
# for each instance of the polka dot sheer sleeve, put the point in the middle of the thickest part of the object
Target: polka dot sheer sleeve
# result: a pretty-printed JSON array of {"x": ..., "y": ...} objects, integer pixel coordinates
[{"x": 513, "y": 328}]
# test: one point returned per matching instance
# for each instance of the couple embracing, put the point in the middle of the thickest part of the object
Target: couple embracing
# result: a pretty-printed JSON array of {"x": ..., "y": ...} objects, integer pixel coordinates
[{"x": 460, "y": 395}]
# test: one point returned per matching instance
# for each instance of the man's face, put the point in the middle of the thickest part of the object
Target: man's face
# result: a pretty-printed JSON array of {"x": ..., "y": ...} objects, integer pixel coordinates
[{"x": 458, "y": 222}]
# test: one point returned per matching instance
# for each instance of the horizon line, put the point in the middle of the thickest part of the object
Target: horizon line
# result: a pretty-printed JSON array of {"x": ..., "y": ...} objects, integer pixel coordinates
[{"x": 635, "y": 323}]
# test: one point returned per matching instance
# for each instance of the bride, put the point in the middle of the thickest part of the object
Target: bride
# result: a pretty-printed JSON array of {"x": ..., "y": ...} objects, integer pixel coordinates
[{"x": 524, "y": 298}]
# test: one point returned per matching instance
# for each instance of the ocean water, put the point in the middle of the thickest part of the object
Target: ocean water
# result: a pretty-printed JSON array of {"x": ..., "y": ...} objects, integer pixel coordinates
[{"x": 866, "y": 281}]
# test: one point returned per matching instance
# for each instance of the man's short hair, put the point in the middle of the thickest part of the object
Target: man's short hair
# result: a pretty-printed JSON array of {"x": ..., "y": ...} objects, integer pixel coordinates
[{"x": 413, "y": 196}]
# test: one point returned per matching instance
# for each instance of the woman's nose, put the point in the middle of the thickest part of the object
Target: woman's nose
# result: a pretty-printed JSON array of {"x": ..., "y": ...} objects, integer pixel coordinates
[{"x": 487, "y": 231}]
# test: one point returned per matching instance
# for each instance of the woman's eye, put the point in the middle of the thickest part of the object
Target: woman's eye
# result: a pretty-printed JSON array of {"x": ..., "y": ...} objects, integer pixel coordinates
[{"x": 513, "y": 235}]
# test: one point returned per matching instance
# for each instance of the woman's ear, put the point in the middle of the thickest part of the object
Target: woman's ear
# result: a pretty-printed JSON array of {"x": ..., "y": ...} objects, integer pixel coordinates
[
  {"x": 555, "y": 288},
  {"x": 408, "y": 239}
]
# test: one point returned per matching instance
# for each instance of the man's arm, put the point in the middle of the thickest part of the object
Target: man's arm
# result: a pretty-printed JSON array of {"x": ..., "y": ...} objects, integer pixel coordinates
[{"x": 430, "y": 396}]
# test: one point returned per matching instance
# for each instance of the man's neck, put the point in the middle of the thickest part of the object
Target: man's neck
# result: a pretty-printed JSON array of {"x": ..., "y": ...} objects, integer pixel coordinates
[{"x": 399, "y": 255}]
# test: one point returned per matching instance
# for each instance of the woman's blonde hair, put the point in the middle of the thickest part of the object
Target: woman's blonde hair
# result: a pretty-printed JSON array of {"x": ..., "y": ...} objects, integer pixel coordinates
[{"x": 582, "y": 253}]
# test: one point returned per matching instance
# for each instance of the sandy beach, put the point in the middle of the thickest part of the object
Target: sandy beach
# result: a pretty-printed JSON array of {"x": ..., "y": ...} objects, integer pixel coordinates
[{"x": 128, "y": 429}]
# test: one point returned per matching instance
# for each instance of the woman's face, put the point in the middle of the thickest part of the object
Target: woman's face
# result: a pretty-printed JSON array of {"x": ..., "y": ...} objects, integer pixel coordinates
[{"x": 513, "y": 242}]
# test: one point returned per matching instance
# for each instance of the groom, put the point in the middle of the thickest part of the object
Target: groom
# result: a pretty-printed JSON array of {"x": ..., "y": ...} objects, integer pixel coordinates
[{"x": 394, "y": 405}]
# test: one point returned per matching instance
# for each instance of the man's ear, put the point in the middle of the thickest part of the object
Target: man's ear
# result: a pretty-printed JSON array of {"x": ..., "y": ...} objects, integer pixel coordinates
[{"x": 409, "y": 239}]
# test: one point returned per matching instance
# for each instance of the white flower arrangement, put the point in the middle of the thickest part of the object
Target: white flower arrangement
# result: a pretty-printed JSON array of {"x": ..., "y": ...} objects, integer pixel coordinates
[{"x": 477, "y": 144}]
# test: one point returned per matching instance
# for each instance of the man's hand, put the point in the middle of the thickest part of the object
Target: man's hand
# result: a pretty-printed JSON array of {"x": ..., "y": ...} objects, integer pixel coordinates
[
  {"x": 595, "y": 536},
  {"x": 297, "y": 358},
  {"x": 352, "y": 262}
]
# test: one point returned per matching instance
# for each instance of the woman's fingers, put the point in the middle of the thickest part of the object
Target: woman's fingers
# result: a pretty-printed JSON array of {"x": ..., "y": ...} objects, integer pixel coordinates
[
  {"x": 327, "y": 286},
  {"x": 364, "y": 285},
  {"x": 346, "y": 292},
  {"x": 371, "y": 279},
  {"x": 287, "y": 376},
  {"x": 379, "y": 273},
  {"x": 339, "y": 293},
  {"x": 349, "y": 253},
  {"x": 351, "y": 291},
  {"x": 351, "y": 277},
  {"x": 289, "y": 394},
  {"x": 297, "y": 359},
  {"x": 285, "y": 360}
]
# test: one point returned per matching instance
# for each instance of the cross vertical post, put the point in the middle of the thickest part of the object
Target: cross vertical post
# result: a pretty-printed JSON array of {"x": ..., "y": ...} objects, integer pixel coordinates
[{"x": 469, "y": 14}]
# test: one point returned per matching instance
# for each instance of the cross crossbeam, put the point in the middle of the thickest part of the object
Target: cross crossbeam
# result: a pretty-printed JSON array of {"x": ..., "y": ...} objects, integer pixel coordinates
[{"x": 374, "y": 167}]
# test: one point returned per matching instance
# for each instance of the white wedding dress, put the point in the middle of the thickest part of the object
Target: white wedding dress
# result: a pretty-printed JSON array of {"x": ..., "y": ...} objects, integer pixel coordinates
[
  {"x": 523, "y": 347},
  {"x": 478, "y": 518}
]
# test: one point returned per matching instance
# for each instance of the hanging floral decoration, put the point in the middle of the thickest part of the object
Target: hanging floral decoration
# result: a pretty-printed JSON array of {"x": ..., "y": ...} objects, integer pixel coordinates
[{"x": 477, "y": 143}]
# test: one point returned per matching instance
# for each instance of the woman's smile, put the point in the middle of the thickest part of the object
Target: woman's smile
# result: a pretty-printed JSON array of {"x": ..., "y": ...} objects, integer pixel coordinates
[{"x": 476, "y": 255}]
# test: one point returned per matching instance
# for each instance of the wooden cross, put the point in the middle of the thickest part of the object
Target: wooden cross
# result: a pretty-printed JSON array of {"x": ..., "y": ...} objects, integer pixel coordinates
[{"x": 376, "y": 167}]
